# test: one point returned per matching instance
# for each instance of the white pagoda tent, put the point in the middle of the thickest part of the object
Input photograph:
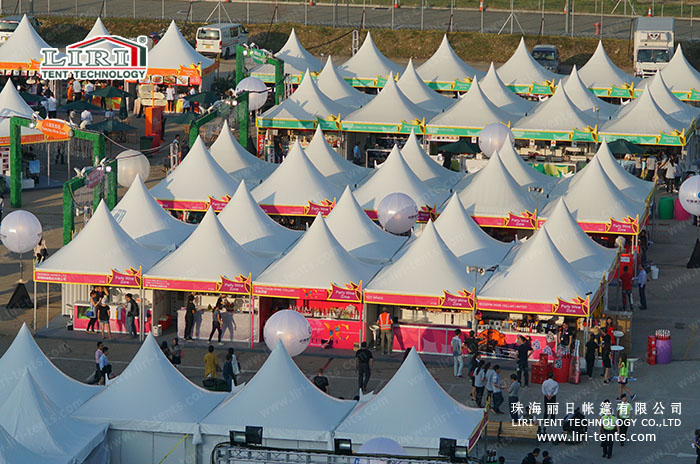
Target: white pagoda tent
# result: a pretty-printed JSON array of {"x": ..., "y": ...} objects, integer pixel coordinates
[
  {"x": 337, "y": 89},
  {"x": 667, "y": 102},
  {"x": 12, "y": 104},
  {"x": 585, "y": 100},
  {"x": 140, "y": 215},
  {"x": 358, "y": 234},
  {"x": 635, "y": 188},
  {"x": 237, "y": 161},
  {"x": 522, "y": 69},
  {"x": 646, "y": 119},
  {"x": 368, "y": 63},
  {"x": 22, "y": 47},
  {"x": 445, "y": 66},
  {"x": 568, "y": 116},
  {"x": 496, "y": 91},
  {"x": 419, "y": 93},
  {"x": 13, "y": 452},
  {"x": 252, "y": 228},
  {"x": 415, "y": 411},
  {"x": 296, "y": 58},
  {"x": 331, "y": 164},
  {"x": 524, "y": 174},
  {"x": 600, "y": 72},
  {"x": 429, "y": 171},
  {"x": 679, "y": 75},
  {"x": 99, "y": 29},
  {"x": 173, "y": 51}
]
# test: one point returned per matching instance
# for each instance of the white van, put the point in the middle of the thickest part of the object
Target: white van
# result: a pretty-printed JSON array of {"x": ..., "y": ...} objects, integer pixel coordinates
[{"x": 221, "y": 39}]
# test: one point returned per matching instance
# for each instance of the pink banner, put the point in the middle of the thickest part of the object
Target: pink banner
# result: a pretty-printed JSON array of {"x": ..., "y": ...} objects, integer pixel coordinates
[
  {"x": 131, "y": 278},
  {"x": 66, "y": 278},
  {"x": 180, "y": 285},
  {"x": 311, "y": 209},
  {"x": 408, "y": 300},
  {"x": 628, "y": 226},
  {"x": 240, "y": 285},
  {"x": 344, "y": 334},
  {"x": 575, "y": 308},
  {"x": 526, "y": 221},
  {"x": 464, "y": 300},
  {"x": 324, "y": 208},
  {"x": 218, "y": 205},
  {"x": 351, "y": 292},
  {"x": 182, "y": 205},
  {"x": 514, "y": 306},
  {"x": 484, "y": 221}
]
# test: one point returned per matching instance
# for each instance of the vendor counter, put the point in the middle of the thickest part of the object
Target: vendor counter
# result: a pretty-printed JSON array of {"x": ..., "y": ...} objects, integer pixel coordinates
[
  {"x": 335, "y": 333},
  {"x": 235, "y": 325},
  {"x": 117, "y": 318}
]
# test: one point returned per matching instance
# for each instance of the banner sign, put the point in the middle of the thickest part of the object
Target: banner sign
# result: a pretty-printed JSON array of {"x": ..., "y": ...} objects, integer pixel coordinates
[
  {"x": 128, "y": 278},
  {"x": 310, "y": 209},
  {"x": 462, "y": 300},
  {"x": 349, "y": 292},
  {"x": 240, "y": 285}
]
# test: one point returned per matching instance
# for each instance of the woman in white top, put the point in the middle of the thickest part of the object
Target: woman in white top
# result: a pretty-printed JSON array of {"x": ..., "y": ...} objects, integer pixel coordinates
[
  {"x": 479, "y": 380},
  {"x": 170, "y": 98},
  {"x": 671, "y": 168}
]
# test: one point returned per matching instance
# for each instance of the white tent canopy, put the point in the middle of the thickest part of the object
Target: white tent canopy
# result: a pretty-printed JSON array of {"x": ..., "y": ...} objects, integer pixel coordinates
[
  {"x": 317, "y": 260},
  {"x": 295, "y": 182},
  {"x": 13, "y": 452},
  {"x": 522, "y": 69},
  {"x": 99, "y": 248},
  {"x": 667, "y": 102},
  {"x": 419, "y": 93},
  {"x": 139, "y": 398},
  {"x": 679, "y": 75},
  {"x": 473, "y": 110},
  {"x": 23, "y": 45},
  {"x": 61, "y": 389},
  {"x": 281, "y": 400},
  {"x": 296, "y": 58},
  {"x": 173, "y": 51},
  {"x": 629, "y": 184},
  {"x": 99, "y": 29},
  {"x": 646, "y": 119},
  {"x": 368, "y": 63},
  {"x": 12, "y": 104},
  {"x": 433, "y": 174},
  {"x": 331, "y": 164},
  {"x": 446, "y": 66},
  {"x": 413, "y": 410},
  {"x": 600, "y": 72},
  {"x": 568, "y": 116},
  {"x": 496, "y": 91},
  {"x": 584, "y": 99},
  {"x": 140, "y": 215},
  {"x": 358, "y": 234},
  {"x": 524, "y": 174},
  {"x": 197, "y": 178},
  {"x": 209, "y": 254},
  {"x": 236, "y": 160},
  {"x": 466, "y": 239},
  {"x": 337, "y": 89},
  {"x": 252, "y": 228}
]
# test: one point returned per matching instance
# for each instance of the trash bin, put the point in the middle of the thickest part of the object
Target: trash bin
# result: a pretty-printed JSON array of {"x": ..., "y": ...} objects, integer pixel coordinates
[
  {"x": 663, "y": 346},
  {"x": 562, "y": 365},
  {"x": 679, "y": 212},
  {"x": 216, "y": 385},
  {"x": 666, "y": 208},
  {"x": 146, "y": 142}
]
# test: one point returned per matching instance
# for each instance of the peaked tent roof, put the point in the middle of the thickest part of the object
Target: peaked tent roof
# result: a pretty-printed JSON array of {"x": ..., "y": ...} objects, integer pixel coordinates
[
  {"x": 368, "y": 62},
  {"x": 282, "y": 400},
  {"x": 496, "y": 91},
  {"x": 150, "y": 385},
  {"x": 395, "y": 175},
  {"x": 358, "y": 234},
  {"x": 337, "y": 89},
  {"x": 254, "y": 230},
  {"x": 568, "y": 116},
  {"x": 97, "y": 29},
  {"x": 647, "y": 118},
  {"x": 118, "y": 251},
  {"x": 388, "y": 413},
  {"x": 140, "y": 215},
  {"x": 584, "y": 99},
  {"x": 38, "y": 423},
  {"x": 211, "y": 179},
  {"x": 667, "y": 101},
  {"x": 173, "y": 51},
  {"x": 419, "y": 93},
  {"x": 317, "y": 260},
  {"x": 238, "y": 162},
  {"x": 524, "y": 174},
  {"x": 600, "y": 72},
  {"x": 466, "y": 239},
  {"x": 209, "y": 254},
  {"x": 295, "y": 182},
  {"x": 23, "y": 45},
  {"x": 522, "y": 69},
  {"x": 13, "y": 452},
  {"x": 61, "y": 389},
  {"x": 427, "y": 170},
  {"x": 12, "y": 103},
  {"x": 679, "y": 75},
  {"x": 296, "y": 58},
  {"x": 331, "y": 164},
  {"x": 629, "y": 184},
  {"x": 446, "y": 66}
]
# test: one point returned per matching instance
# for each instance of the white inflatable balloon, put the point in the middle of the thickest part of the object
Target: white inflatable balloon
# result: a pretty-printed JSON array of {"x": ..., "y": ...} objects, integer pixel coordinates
[
  {"x": 397, "y": 213},
  {"x": 129, "y": 164},
  {"x": 380, "y": 445},
  {"x": 20, "y": 231},
  {"x": 290, "y": 327},
  {"x": 492, "y": 138},
  {"x": 258, "y": 92},
  {"x": 689, "y": 195}
]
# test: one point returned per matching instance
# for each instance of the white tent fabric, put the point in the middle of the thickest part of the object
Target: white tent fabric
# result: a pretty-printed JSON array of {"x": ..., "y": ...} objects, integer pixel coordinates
[
  {"x": 12, "y": 104},
  {"x": 101, "y": 246},
  {"x": 496, "y": 91},
  {"x": 646, "y": 119},
  {"x": 466, "y": 239},
  {"x": 23, "y": 45},
  {"x": 281, "y": 400},
  {"x": 317, "y": 260},
  {"x": 568, "y": 116},
  {"x": 524, "y": 174},
  {"x": 39, "y": 424},
  {"x": 337, "y": 89},
  {"x": 667, "y": 102},
  {"x": 433, "y": 174},
  {"x": 99, "y": 29},
  {"x": 140, "y": 215},
  {"x": 307, "y": 103},
  {"x": 419, "y": 93},
  {"x": 331, "y": 164},
  {"x": 446, "y": 66},
  {"x": 61, "y": 389},
  {"x": 197, "y": 178},
  {"x": 252, "y": 228},
  {"x": 494, "y": 192},
  {"x": 629, "y": 184},
  {"x": 584, "y": 99},
  {"x": 679, "y": 75},
  {"x": 368, "y": 63},
  {"x": 209, "y": 254},
  {"x": 140, "y": 397},
  {"x": 522, "y": 69},
  {"x": 295, "y": 182},
  {"x": 173, "y": 51},
  {"x": 13, "y": 452},
  {"x": 426, "y": 267},
  {"x": 540, "y": 262},
  {"x": 394, "y": 175},
  {"x": 358, "y": 234},
  {"x": 413, "y": 410},
  {"x": 296, "y": 58},
  {"x": 473, "y": 110},
  {"x": 237, "y": 161},
  {"x": 600, "y": 72},
  {"x": 390, "y": 106}
]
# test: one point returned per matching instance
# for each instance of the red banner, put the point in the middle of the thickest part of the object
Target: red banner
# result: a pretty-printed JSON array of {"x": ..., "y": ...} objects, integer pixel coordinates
[
  {"x": 463, "y": 300},
  {"x": 526, "y": 221},
  {"x": 344, "y": 334},
  {"x": 325, "y": 207},
  {"x": 514, "y": 306},
  {"x": 218, "y": 205},
  {"x": 628, "y": 226},
  {"x": 129, "y": 278},
  {"x": 240, "y": 285},
  {"x": 184, "y": 205},
  {"x": 351, "y": 292},
  {"x": 577, "y": 307}
]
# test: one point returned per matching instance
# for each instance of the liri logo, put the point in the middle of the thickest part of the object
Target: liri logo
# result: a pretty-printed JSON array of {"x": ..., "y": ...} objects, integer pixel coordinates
[{"x": 99, "y": 57}]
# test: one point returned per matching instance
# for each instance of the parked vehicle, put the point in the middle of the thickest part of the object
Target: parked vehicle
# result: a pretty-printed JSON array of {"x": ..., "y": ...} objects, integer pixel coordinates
[
  {"x": 8, "y": 25},
  {"x": 653, "y": 44},
  {"x": 221, "y": 39},
  {"x": 547, "y": 56}
]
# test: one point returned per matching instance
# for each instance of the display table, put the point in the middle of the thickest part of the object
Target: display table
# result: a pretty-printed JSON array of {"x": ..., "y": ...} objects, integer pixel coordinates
[
  {"x": 117, "y": 318},
  {"x": 344, "y": 333},
  {"x": 235, "y": 326}
]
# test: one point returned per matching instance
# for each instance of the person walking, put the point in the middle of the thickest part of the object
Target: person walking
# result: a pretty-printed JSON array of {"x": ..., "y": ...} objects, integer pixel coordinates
[
  {"x": 607, "y": 431},
  {"x": 228, "y": 371},
  {"x": 98, "y": 355},
  {"x": 364, "y": 361},
  {"x": 591, "y": 351},
  {"x": 236, "y": 365},
  {"x": 473, "y": 364},
  {"x": 457, "y": 358},
  {"x": 523, "y": 366},
  {"x": 641, "y": 281},
  {"x": 550, "y": 388},
  {"x": 211, "y": 363},
  {"x": 626, "y": 284},
  {"x": 190, "y": 311},
  {"x": 385, "y": 332},
  {"x": 622, "y": 376},
  {"x": 216, "y": 324},
  {"x": 531, "y": 458},
  {"x": 670, "y": 176},
  {"x": 103, "y": 312},
  {"x": 513, "y": 393},
  {"x": 132, "y": 312},
  {"x": 497, "y": 388},
  {"x": 321, "y": 381},
  {"x": 105, "y": 366},
  {"x": 479, "y": 382},
  {"x": 93, "y": 313},
  {"x": 487, "y": 382},
  {"x": 606, "y": 355},
  {"x": 176, "y": 353},
  {"x": 624, "y": 411}
]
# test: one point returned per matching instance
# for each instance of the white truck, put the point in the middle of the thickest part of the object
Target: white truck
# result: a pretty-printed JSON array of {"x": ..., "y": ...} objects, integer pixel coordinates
[{"x": 653, "y": 44}]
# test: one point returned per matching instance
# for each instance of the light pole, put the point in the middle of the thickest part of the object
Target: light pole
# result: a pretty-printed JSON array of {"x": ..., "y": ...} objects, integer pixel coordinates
[
  {"x": 477, "y": 271},
  {"x": 537, "y": 191}
]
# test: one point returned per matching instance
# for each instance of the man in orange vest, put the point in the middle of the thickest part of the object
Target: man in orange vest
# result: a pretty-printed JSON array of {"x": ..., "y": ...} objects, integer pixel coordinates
[{"x": 386, "y": 335}]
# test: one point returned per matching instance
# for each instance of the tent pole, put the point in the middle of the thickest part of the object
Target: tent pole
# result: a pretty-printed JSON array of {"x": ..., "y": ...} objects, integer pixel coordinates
[
  {"x": 34, "y": 305},
  {"x": 252, "y": 319},
  {"x": 47, "y": 305},
  {"x": 142, "y": 316}
]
